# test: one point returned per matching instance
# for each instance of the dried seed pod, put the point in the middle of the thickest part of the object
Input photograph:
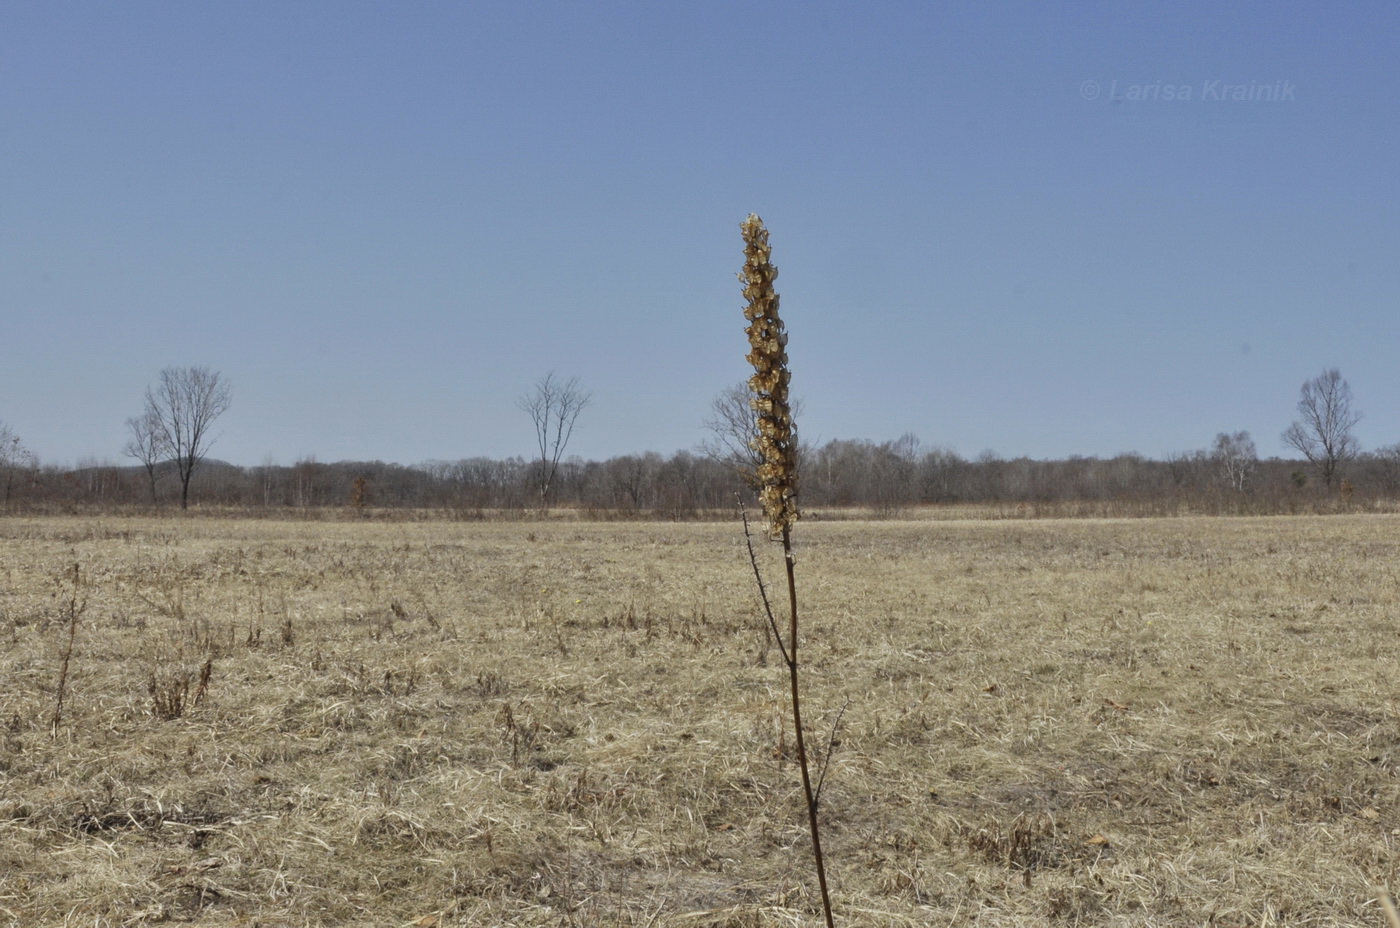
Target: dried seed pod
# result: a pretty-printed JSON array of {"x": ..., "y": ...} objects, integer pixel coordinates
[{"x": 775, "y": 439}]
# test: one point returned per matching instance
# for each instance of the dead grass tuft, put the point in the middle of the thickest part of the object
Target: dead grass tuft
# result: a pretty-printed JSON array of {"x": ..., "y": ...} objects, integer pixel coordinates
[{"x": 173, "y": 691}]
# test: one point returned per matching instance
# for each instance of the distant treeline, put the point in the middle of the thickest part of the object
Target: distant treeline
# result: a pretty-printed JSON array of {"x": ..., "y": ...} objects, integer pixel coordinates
[{"x": 887, "y": 478}]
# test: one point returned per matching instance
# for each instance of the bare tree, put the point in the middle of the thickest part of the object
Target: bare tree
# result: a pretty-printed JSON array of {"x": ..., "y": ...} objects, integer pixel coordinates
[
  {"x": 553, "y": 406},
  {"x": 14, "y": 457},
  {"x": 1188, "y": 470},
  {"x": 147, "y": 445},
  {"x": 1235, "y": 459},
  {"x": 181, "y": 408},
  {"x": 891, "y": 475},
  {"x": 1385, "y": 465},
  {"x": 632, "y": 476},
  {"x": 1323, "y": 431},
  {"x": 733, "y": 425}
]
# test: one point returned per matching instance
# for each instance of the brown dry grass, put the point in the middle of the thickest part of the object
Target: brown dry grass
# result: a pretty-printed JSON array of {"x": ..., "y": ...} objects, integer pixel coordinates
[{"x": 1146, "y": 723}]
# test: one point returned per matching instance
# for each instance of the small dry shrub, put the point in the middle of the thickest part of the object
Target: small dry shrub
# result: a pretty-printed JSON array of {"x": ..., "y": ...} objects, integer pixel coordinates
[
  {"x": 490, "y": 684},
  {"x": 171, "y": 693},
  {"x": 1029, "y": 842}
]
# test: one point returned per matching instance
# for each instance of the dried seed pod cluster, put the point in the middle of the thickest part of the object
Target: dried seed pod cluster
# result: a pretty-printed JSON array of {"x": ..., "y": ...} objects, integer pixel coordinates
[{"x": 776, "y": 438}]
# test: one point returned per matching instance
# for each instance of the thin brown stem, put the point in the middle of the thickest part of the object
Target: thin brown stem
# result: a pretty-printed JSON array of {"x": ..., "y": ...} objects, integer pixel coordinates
[
  {"x": 831, "y": 744},
  {"x": 807, "y": 790},
  {"x": 74, "y": 610},
  {"x": 762, "y": 587}
]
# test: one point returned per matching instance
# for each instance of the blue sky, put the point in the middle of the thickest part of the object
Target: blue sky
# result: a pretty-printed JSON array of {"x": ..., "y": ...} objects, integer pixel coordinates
[{"x": 383, "y": 221}]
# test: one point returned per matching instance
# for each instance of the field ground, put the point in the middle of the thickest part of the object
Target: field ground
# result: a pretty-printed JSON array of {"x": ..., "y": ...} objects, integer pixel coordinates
[{"x": 1176, "y": 722}]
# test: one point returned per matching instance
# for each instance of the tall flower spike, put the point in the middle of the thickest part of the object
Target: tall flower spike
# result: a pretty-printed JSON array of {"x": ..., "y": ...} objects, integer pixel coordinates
[{"x": 775, "y": 439}]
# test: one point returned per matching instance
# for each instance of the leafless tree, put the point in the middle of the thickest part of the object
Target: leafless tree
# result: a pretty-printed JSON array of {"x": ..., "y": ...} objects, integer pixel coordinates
[
  {"x": 553, "y": 406},
  {"x": 732, "y": 426},
  {"x": 306, "y": 472},
  {"x": 1323, "y": 431},
  {"x": 14, "y": 457},
  {"x": 890, "y": 476},
  {"x": 147, "y": 445},
  {"x": 181, "y": 408},
  {"x": 1235, "y": 459},
  {"x": 1385, "y": 465},
  {"x": 1188, "y": 470},
  {"x": 632, "y": 476}
]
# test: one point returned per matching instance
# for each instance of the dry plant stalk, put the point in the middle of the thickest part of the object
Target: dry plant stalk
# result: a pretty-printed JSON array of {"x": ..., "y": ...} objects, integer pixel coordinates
[
  {"x": 171, "y": 695},
  {"x": 75, "y": 609},
  {"x": 775, "y": 442}
]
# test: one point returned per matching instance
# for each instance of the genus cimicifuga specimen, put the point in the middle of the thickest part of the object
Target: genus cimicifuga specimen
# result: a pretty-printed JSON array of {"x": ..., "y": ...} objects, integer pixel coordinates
[{"x": 775, "y": 440}]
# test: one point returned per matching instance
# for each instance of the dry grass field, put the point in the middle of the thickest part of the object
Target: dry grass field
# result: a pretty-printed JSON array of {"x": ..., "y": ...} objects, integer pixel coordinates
[{"x": 1176, "y": 722}]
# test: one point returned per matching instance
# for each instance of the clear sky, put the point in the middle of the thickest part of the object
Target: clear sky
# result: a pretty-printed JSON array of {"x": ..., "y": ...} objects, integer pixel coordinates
[{"x": 1044, "y": 229}]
